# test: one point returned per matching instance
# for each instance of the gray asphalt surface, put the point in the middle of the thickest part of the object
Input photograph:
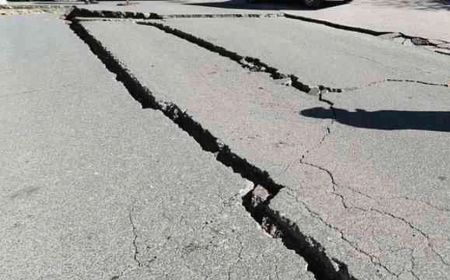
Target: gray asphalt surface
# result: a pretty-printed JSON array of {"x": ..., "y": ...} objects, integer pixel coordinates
[
  {"x": 94, "y": 187},
  {"x": 183, "y": 8},
  {"x": 381, "y": 179},
  {"x": 350, "y": 206},
  {"x": 422, "y": 18},
  {"x": 317, "y": 54},
  {"x": 430, "y": 17}
]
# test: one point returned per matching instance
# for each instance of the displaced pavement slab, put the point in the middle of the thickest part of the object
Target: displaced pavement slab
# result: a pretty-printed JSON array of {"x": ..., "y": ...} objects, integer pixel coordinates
[
  {"x": 93, "y": 187},
  {"x": 354, "y": 242},
  {"x": 380, "y": 179},
  {"x": 319, "y": 55},
  {"x": 430, "y": 17},
  {"x": 252, "y": 114}
]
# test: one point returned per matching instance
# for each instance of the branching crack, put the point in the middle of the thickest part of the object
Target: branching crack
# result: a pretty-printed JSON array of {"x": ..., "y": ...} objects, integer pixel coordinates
[
  {"x": 415, "y": 229},
  {"x": 370, "y": 209},
  {"x": 321, "y": 265},
  {"x": 372, "y": 258}
]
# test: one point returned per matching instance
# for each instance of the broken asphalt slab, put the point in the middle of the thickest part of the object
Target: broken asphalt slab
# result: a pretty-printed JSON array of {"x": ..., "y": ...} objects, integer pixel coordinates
[
  {"x": 197, "y": 93},
  {"x": 380, "y": 178},
  {"x": 94, "y": 187},
  {"x": 387, "y": 16},
  {"x": 165, "y": 9},
  {"x": 384, "y": 20},
  {"x": 318, "y": 55}
]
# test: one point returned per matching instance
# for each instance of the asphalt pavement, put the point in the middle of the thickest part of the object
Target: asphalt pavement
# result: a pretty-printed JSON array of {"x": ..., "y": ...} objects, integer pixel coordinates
[
  {"x": 211, "y": 142},
  {"x": 421, "y": 18},
  {"x": 94, "y": 187}
]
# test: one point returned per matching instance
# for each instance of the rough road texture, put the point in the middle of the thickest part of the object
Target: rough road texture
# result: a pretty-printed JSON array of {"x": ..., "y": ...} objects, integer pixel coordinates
[
  {"x": 389, "y": 15},
  {"x": 342, "y": 140},
  {"x": 317, "y": 54},
  {"x": 315, "y": 202},
  {"x": 94, "y": 187}
]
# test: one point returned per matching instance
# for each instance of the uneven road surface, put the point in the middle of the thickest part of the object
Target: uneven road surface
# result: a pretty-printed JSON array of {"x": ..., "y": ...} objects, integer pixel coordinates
[{"x": 237, "y": 147}]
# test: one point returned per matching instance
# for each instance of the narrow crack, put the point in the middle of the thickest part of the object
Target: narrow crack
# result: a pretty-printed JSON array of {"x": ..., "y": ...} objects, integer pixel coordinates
[
  {"x": 335, "y": 192},
  {"x": 415, "y": 229},
  {"x": 391, "y": 80},
  {"x": 372, "y": 258},
  {"x": 327, "y": 129},
  {"x": 135, "y": 237},
  {"x": 371, "y": 209},
  {"x": 321, "y": 265}
]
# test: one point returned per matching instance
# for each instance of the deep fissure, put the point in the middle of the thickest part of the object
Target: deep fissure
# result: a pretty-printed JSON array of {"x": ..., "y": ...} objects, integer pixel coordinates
[
  {"x": 251, "y": 63},
  {"x": 313, "y": 253},
  {"x": 416, "y": 41},
  {"x": 77, "y": 12}
]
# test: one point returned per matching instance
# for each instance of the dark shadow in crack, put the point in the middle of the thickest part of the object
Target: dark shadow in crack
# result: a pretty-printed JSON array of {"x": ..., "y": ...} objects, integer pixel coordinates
[
  {"x": 264, "y": 4},
  {"x": 385, "y": 119}
]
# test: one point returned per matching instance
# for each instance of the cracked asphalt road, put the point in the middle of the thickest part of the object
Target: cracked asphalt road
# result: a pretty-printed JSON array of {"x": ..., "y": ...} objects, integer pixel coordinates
[
  {"x": 93, "y": 187},
  {"x": 256, "y": 147}
]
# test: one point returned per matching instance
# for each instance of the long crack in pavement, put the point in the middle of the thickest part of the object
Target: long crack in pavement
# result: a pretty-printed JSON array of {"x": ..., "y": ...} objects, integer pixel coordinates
[
  {"x": 257, "y": 201},
  {"x": 321, "y": 265}
]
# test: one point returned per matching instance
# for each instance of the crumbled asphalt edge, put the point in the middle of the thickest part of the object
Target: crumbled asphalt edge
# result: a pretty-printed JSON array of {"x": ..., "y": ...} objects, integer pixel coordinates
[
  {"x": 251, "y": 63},
  {"x": 438, "y": 46},
  {"x": 77, "y": 12},
  {"x": 256, "y": 65},
  {"x": 319, "y": 264},
  {"x": 86, "y": 13},
  {"x": 417, "y": 41},
  {"x": 143, "y": 95}
]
